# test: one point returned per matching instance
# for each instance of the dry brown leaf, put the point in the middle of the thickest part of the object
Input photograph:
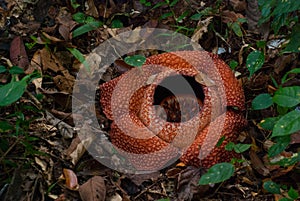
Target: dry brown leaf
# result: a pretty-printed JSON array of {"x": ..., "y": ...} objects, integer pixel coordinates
[
  {"x": 71, "y": 179},
  {"x": 66, "y": 22},
  {"x": 238, "y": 5},
  {"x": 64, "y": 82},
  {"x": 93, "y": 190},
  {"x": 121, "y": 66},
  {"x": 138, "y": 179},
  {"x": 92, "y": 9},
  {"x": 230, "y": 16},
  {"x": 63, "y": 99},
  {"x": 65, "y": 130},
  {"x": 52, "y": 38},
  {"x": 18, "y": 55},
  {"x": 49, "y": 61},
  {"x": 188, "y": 184},
  {"x": 78, "y": 149},
  {"x": 201, "y": 29},
  {"x": 257, "y": 164},
  {"x": 295, "y": 138}
]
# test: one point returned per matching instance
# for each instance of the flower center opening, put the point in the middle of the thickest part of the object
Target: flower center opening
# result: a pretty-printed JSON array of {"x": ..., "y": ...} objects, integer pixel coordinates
[{"x": 178, "y": 98}]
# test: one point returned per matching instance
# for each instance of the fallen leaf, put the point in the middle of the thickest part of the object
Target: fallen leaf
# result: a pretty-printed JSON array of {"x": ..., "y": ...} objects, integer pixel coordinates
[
  {"x": 93, "y": 190},
  {"x": 201, "y": 29},
  {"x": 187, "y": 184},
  {"x": 92, "y": 9},
  {"x": 257, "y": 164},
  {"x": 295, "y": 138},
  {"x": 71, "y": 179},
  {"x": 66, "y": 22},
  {"x": 138, "y": 179},
  {"x": 18, "y": 54},
  {"x": 51, "y": 38},
  {"x": 63, "y": 99},
  {"x": 230, "y": 16},
  {"x": 238, "y": 5},
  {"x": 49, "y": 61},
  {"x": 64, "y": 82},
  {"x": 121, "y": 66},
  {"x": 78, "y": 149},
  {"x": 65, "y": 130}
]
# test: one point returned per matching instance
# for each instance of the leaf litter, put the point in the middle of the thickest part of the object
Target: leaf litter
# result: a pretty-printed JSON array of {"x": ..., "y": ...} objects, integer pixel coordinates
[{"x": 59, "y": 149}]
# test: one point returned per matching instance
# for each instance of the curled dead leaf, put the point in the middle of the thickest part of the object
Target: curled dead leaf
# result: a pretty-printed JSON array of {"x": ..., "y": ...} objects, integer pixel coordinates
[
  {"x": 93, "y": 190},
  {"x": 18, "y": 54},
  {"x": 257, "y": 164},
  {"x": 71, "y": 179}
]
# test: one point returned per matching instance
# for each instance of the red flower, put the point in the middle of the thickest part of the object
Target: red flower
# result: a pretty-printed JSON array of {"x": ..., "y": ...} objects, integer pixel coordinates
[{"x": 177, "y": 104}]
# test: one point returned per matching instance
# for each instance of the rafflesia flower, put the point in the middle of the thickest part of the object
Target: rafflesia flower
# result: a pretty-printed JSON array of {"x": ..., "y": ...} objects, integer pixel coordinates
[{"x": 177, "y": 105}]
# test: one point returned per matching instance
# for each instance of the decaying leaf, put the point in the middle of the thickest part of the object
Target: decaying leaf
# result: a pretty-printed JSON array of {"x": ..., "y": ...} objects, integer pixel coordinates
[
  {"x": 78, "y": 146},
  {"x": 49, "y": 61},
  {"x": 201, "y": 29},
  {"x": 66, "y": 130},
  {"x": 93, "y": 190},
  {"x": 71, "y": 179},
  {"x": 187, "y": 185},
  {"x": 92, "y": 9},
  {"x": 67, "y": 24},
  {"x": 64, "y": 82},
  {"x": 238, "y": 5},
  {"x": 257, "y": 164},
  {"x": 18, "y": 54},
  {"x": 230, "y": 16}
]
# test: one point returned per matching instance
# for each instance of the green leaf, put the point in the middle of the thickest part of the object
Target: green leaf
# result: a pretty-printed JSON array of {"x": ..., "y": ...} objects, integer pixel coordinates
[
  {"x": 146, "y": 3},
  {"x": 182, "y": 16},
  {"x": 135, "y": 60},
  {"x": 79, "y": 56},
  {"x": 159, "y": 4},
  {"x": 2, "y": 69},
  {"x": 16, "y": 70},
  {"x": 261, "y": 43},
  {"x": 167, "y": 199},
  {"x": 277, "y": 148},
  {"x": 5, "y": 126},
  {"x": 233, "y": 64},
  {"x": 116, "y": 23},
  {"x": 268, "y": 123},
  {"x": 238, "y": 148},
  {"x": 86, "y": 28},
  {"x": 12, "y": 91},
  {"x": 287, "y": 96},
  {"x": 173, "y": 3},
  {"x": 166, "y": 15},
  {"x": 218, "y": 173},
  {"x": 285, "y": 199},
  {"x": 229, "y": 146},
  {"x": 294, "y": 44},
  {"x": 220, "y": 141},
  {"x": 204, "y": 12},
  {"x": 284, "y": 78},
  {"x": 74, "y": 4},
  {"x": 79, "y": 17},
  {"x": 255, "y": 61},
  {"x": 286, "y": 6},
  {"x": 293, "y": 193},
  {"x": 236, "y": 28},
  {"x": 287, "y": 124},
  {"x": 272, "y": 187},
  {"x": 262, "y": 101},
  {"x": 286, "y": 162}
]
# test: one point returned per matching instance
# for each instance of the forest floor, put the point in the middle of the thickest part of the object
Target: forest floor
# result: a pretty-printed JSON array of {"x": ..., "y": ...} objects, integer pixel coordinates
[{"x": 41, "y": 155}]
